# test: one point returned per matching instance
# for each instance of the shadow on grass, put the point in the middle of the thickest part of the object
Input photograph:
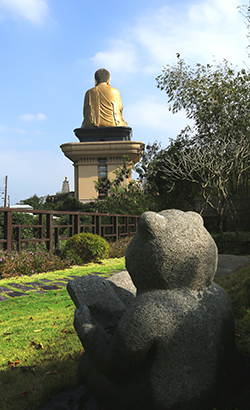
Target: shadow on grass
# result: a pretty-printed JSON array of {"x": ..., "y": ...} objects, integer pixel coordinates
[{"x": 28, "y": 388}]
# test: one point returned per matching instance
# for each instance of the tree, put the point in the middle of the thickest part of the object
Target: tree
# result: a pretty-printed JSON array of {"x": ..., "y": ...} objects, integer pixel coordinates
[
  {"x": 215, "y": 98},
  {"x": 217, "y": 169},
  {"x": 122, "y": 197},
  {"x": 36, "y": 202},
  {"x": 214, "y": 152},
  {"x": 245, "y": 11},
  {"x": 105, "y": 187},
  {"x": 164, "y": 193}
]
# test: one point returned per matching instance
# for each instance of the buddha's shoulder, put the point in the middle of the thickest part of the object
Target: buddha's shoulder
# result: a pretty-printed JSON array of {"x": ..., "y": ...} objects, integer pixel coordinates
[{"x": 108, "y": 88}]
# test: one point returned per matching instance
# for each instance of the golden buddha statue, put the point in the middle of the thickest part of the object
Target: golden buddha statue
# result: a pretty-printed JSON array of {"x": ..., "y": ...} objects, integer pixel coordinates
[{"x": 102, "y": 104}]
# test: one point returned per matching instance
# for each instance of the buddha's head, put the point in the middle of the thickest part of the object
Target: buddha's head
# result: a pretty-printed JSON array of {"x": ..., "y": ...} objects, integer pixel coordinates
[{"x": 102, "y": 76}]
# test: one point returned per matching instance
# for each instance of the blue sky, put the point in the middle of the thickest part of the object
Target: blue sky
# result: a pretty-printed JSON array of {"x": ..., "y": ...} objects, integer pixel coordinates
[{"x": 50, "y": 50}]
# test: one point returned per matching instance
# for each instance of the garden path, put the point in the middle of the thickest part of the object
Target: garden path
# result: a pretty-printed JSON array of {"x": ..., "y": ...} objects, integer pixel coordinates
[
  {"x": 226, "y": 265},
  {"x": 13, "y": 289}
]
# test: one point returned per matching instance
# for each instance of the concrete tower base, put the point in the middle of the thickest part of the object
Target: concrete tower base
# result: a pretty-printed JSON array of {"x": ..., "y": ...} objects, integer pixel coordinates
[{"x": 99, "y": 159}]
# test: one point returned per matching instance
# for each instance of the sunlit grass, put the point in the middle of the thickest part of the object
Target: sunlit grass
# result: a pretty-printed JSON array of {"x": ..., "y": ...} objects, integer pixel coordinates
[{"x": 40, "y": 350}]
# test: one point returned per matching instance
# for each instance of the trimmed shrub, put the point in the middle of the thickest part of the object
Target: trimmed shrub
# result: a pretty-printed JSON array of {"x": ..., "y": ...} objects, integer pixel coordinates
[{"x": 86, "y": 247}]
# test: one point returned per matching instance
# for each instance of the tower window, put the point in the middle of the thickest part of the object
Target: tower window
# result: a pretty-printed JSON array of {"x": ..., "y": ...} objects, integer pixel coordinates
[
  {"x": 102, "y": 168},
  {"x": 102, "y": 173}
]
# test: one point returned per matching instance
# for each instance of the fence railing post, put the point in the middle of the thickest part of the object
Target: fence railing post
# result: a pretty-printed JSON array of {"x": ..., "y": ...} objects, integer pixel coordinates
[
  {"x": 76, "y": 224},
  {"x": 18, "y": 238},
  {"x": 40, "y": 230},
  {"x": 56, "y": 237},
  {"x": 7, "y": 229},
  {"x": 49, "y": 232},
  {"x": 126, "y": 225},
  {"x": 71, "y": 226},
  {"x": 115, "y": 227},
  {"x": 98, "y": 225}
]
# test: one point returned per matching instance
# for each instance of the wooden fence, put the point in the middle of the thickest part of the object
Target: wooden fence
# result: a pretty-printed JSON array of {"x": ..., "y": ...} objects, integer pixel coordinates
[{"x": 50, "y": 227}]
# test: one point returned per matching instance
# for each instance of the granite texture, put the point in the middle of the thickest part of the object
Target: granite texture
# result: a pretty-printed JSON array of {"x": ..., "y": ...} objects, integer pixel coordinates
[
  {"x": 172, "y": 346},
  {"x": 171, "y": 249}
]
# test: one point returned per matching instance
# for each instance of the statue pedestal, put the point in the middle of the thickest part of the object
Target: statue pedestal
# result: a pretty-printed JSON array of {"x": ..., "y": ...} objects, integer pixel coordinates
[
  {"x": 98, "y": 155},
  {"x": 96, "y": 134}
]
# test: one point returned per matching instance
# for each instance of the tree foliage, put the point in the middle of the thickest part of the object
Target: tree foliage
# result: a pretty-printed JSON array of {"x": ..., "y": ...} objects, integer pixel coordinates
[
  {"x": 123, "y": 197},
  {"x": 214, "y": 97},
  {"x": 164, "y": 193},
  {"x": 213, "y": 152},
  {"x": 245, "y": 11},
  {"x": 36, "y": 202},
  {"x": 218, "y": 170}
]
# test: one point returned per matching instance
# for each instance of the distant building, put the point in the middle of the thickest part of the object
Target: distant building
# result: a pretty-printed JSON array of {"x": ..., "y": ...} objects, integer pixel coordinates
[
  {"x": 22, "y": 207},
  {"x": 61, "y": 195}
]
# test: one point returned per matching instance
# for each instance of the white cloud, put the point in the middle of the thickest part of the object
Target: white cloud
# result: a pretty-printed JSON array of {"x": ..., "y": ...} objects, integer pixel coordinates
[
  {"x": 121, "y": 56},
  {"x": 212, "y": 27},
  {"x": 33, "y": 10},
  {"x": 31, "y": 117},
  {"x": 20, "y": 131},
  {"x": 152, "y": 113},
  {"x": 198, "y": 32},
  {"x": 214, "y": 12},
  {"x": 201, "y": 31}
]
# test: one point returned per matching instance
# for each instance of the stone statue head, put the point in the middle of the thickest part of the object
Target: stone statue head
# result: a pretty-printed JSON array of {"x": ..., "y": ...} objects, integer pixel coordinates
[
  {"x": 171, "y": 250},
  {"x": 102, "y": 76}
]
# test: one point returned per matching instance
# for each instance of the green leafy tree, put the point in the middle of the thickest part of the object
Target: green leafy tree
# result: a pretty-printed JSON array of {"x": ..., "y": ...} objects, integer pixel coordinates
[
  {"x": 215, "y": 98},
  {"x": 218, "y": 170},
  {"x": 35, "y": 201},
  {"x": 164, "y": 193},
  {"x": 106, "y": 186},
  {"x": 70, "y": 204},
  {"x": 245, "y": 11},
  {"x": 214, "y": 151},
  {"x": 123, "y": 197}
]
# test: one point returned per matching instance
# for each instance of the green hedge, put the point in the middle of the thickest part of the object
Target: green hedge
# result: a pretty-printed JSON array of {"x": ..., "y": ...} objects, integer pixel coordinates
[{"x": 86, "y": 247}]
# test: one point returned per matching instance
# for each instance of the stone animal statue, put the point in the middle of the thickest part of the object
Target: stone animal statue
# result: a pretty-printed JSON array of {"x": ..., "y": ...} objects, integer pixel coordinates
[{"x": 170, "y": 346}]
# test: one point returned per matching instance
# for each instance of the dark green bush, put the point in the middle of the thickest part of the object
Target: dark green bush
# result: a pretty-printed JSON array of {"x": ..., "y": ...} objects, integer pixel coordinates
[{"x": 86, "y": 247}]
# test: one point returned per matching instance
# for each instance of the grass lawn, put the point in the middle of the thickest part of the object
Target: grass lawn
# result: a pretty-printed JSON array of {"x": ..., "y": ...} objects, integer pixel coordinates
[{"x": 39, "y": 350}]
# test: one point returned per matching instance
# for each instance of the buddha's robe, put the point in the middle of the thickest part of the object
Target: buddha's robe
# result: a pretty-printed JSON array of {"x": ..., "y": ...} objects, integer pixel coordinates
[{"x": 103, "y": 107}]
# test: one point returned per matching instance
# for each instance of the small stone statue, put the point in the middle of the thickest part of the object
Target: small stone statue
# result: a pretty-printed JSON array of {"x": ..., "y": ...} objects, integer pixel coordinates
[
  {"x": 66, "y": 185},
  {"x": 170, "y": 347},
  {"x": 102, "y": 104}
]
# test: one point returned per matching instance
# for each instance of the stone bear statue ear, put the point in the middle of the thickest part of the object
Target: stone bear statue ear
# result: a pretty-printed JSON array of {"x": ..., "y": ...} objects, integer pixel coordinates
[
  {"x": 191, "y": 216},
  {"x": 195, "y": 216},
  {"x": 150, "y": 223}
]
